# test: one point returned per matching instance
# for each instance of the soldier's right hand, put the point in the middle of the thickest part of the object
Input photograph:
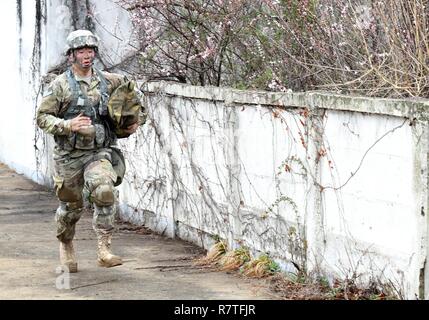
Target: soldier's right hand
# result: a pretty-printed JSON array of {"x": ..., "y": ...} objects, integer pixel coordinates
[{"x": 80, "y": 122}]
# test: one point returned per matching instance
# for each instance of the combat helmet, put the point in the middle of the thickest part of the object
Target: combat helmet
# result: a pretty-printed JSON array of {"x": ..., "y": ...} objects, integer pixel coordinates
[{"x": 81, "y": 38}]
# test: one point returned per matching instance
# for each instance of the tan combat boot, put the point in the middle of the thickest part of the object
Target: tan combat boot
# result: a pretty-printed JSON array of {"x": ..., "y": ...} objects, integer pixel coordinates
[
  {"x": 105, "y": 257},
  {"x": 67, "y": 256}
]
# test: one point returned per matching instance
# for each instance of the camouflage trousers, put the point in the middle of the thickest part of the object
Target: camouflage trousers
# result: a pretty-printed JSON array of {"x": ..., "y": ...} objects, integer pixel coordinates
[{"x": 91, "y": 171}]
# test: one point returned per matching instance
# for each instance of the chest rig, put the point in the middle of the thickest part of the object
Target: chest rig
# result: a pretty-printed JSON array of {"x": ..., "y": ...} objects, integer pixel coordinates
[{"x": 101, "y": 135}]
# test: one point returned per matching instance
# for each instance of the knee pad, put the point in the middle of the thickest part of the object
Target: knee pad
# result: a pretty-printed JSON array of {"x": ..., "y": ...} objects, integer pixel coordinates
[
  {"x": 68, "y": 213},
  {"x": 66, "y": 207},
  {"x": 75, "y": 205},
  {"x": 67, "y": 191},
  {"x": 103, "y": 195}
]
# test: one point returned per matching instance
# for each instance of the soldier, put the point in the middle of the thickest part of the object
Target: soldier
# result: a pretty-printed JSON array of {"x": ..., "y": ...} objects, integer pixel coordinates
[{"x": 74, "y": 111}]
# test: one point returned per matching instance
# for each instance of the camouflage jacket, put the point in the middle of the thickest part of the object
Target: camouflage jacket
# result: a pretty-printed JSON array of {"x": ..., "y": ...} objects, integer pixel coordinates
[{"x": 58, "y": 96}]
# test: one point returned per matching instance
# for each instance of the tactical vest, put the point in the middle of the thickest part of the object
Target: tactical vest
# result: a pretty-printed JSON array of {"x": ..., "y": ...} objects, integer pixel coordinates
[{"x": 96, "y": 110}]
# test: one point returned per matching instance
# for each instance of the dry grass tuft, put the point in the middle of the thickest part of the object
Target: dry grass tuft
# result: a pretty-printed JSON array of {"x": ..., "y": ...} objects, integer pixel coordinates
[
  {"x": 261, "y": 267},
  {"x": 233, "y": 260},
  {"x": 214, "y": 254}
]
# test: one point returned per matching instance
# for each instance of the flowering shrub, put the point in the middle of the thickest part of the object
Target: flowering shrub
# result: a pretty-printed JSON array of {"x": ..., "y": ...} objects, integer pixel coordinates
[{"x": 375, "y": 48}]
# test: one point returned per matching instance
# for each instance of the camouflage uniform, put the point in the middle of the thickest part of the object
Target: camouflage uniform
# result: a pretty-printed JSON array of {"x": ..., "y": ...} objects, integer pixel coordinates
[{"x": 80, "y": 161}]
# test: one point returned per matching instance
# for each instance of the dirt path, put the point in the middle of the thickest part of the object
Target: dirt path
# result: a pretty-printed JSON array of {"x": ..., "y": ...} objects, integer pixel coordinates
[{"x": 154, "y": 267}]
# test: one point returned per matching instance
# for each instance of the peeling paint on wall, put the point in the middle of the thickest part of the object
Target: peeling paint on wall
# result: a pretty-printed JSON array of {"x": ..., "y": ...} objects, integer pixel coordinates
[
  {"x": 75, "y": 13},
  {"x": 37, "y": 53},
  {"x": 81, "y": 14},
  {"x": 89, "y": 23},
  {"x": 19, "y": 22}
]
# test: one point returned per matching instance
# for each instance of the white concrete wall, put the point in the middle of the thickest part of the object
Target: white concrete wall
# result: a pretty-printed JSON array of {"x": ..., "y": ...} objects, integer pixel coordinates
[
  {"x": 17, "y": 87},
  {"x": 211, "y": 162},
  {"x": 244, "y": 166}
]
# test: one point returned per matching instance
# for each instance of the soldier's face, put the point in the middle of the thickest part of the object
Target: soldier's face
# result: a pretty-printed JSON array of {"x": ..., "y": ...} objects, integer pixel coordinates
[{"x": 84, "y": 57}]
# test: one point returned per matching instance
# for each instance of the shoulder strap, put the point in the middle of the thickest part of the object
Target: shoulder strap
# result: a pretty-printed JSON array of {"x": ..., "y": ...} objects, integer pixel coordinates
[
  {"x": 103, "y": 81},
  {"x": 74, "y": 86},
  {"x": 77, "y": 98},
  {"x": 104, "y": 93}
]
